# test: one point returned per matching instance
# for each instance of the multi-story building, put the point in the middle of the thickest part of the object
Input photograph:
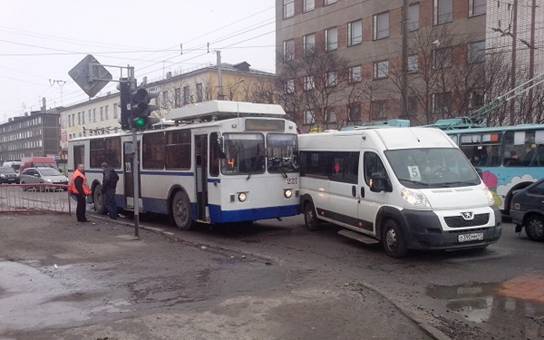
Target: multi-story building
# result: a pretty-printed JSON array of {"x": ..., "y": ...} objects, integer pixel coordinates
[
  {"x": 101, "y": 115},
  {"x": 34, "y": 134},
  {"x": 364, "y": 38}
]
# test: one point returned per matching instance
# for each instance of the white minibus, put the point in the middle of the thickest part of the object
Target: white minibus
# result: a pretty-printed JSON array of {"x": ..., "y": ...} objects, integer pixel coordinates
[{"x": 408, "y": 188}]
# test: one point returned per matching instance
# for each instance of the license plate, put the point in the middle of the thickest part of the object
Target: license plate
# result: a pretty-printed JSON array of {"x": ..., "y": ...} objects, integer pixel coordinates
[{"x": 470, "y": 237}]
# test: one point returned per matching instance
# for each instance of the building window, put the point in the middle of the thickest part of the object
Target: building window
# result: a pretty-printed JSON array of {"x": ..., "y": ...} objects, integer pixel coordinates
[
  {"x": 115, "y": 111},
  {"x": 412, "y": 105},
  {"x": 355, "y": 74},
  {"x": 441, "y": 103},
  {"x": 331, "y": 39},
  {"x": 477, "y": 7},
  {"x": 331, "y": 117},
  {"x": 177, "y": 97},
  {"x": 355, "y": 32},
  {"x": 288, "y": 50},
  {"x": 288, "y": 8},
  {"x": 186, "y": 95},
  {"x": 476, "y": 99},
  {"x": 94, "y": 115},
  {"x": 413, "y": 17},
  {"x": 332, "y": 78},
  {"x": 381, "y": 69},
  {"x": 309, "y": 83},
  {"x": 381, "y": 26},
  {"x": 476, "y": 52},
  {"x": 309, "y": 5},
  {"x": 309, "y": 44},
  {"x": 443, "y": 12},
  {"x": 101, "y": 113},
  {"x": 413, "y": 65},
  {"x": 106, "y": 114},
  {"x": 354, "y": 112},
  {"x": 290, "y": 86},
  {"x": 83, "y": 117},
  {"x": 199, "y": 93},
  {"x": 377, "y": 109},
  {"x": 329, "y": 2},
  {"x": 79, "y": 118},
  {"x": 309, "y": 117},
  {"x": 442, "y": 58}
]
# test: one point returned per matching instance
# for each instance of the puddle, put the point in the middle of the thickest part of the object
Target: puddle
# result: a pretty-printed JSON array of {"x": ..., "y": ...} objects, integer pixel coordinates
[{"x": 515, "y": 305}]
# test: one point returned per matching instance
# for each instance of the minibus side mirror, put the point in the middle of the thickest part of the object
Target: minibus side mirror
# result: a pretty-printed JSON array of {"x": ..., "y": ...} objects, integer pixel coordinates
[{"x": 378, "y": 183}]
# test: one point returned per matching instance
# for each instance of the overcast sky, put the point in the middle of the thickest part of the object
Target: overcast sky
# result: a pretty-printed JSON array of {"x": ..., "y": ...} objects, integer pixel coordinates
[{"x": 42, "y": 40}]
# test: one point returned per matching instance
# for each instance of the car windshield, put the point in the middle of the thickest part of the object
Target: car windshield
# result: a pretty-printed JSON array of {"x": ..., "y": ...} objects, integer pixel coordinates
[
  {"x": 49, "y": 172},
  {"x": 7, "y": 171},
  {"x": 432, "y": 168},
  {"x": 244, "y": 153},
  {"x": 281, "y": 153}
]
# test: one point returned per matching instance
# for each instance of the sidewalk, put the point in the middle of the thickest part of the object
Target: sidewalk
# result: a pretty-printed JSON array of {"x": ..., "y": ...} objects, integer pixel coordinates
[{"x": 63, "y": 280}]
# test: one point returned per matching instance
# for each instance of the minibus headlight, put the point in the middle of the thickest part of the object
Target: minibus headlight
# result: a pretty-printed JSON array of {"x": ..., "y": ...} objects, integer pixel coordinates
[
  {"x": 489, "y": 196},
  {"x": 242, "y": 196},
  {"x": 415, "y": 198},
  {"x": 288, "y": 193}
]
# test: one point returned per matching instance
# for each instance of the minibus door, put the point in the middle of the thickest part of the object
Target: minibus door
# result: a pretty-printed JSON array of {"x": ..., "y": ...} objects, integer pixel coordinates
[
  {"x": 201, "y": 176},
  {"x": 128, "y": 178},
  {"x": 371, "y": 201}
]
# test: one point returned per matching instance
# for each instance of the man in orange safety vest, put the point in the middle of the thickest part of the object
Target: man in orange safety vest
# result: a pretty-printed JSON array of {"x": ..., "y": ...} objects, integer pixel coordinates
[{"x": 79, "y": 187}]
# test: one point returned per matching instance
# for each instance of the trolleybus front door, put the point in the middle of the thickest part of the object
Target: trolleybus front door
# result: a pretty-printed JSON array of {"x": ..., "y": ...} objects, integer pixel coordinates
[
  {"x": 201, "y": 175},
  {"x": 128, "y": 157}
]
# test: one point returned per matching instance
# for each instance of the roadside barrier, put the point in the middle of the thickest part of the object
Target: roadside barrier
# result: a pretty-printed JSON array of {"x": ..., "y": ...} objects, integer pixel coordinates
[{"x": 39, "y": 197}]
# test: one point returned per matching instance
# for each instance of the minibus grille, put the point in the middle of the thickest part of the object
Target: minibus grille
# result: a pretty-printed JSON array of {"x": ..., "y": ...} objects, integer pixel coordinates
[{"x": 460, "y": 222}]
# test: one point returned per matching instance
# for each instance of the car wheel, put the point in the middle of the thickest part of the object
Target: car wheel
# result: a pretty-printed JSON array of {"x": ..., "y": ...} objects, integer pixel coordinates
[
  {"x": 98, "y": 199},
  {"x": 310, "y": 217},
  {"x": 393, "y": 239},
  {"x": 181, "y": 211},
  {"x": 534, "y": 227}
]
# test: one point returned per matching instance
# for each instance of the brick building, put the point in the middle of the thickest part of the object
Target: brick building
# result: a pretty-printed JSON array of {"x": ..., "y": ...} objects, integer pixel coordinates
[
  {"x": 34, "y": 134},
  {"x": 367, "y": 36}
]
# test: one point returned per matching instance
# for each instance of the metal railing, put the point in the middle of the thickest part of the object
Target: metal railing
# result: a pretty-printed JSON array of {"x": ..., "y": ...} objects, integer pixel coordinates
[{"x": 39, "y": 197}]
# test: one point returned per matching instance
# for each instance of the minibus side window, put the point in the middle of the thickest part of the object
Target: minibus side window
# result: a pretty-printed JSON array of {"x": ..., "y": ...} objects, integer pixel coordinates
[
  {"x": 344, "y": 167},
  {"x": 373, "y": 165}
]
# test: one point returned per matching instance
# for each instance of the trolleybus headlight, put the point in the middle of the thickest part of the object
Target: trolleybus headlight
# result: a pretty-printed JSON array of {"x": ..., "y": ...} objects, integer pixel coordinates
[
  {"x": 242, "y": 196},
  {"x": 288, "y": 193}
]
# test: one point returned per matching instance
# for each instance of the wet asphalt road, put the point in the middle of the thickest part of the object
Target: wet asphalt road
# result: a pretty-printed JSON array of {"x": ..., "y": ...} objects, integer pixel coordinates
[{"x": 298, "y": 284}]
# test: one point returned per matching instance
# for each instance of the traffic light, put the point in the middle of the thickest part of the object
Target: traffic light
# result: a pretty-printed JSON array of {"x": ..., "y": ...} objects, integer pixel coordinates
[
  {"x": 141, "y": 109},
  {"x": 125, "y": 94}
]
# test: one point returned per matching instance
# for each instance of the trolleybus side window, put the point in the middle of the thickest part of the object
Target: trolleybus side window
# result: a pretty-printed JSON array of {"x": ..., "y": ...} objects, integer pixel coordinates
[
  {"x": 281, "y": 152},
  {"x": 178, "y": 150},
  {"x": 153, "y": 145},
  {"x": 79, "y": 155},
  {"x": 244, "y": 153},
  {"x": 105, "y": 150},
  {"x": 524, "y": 148},
  {"x": 482, "y": 149},
  {"x": 214, "y": 154}
]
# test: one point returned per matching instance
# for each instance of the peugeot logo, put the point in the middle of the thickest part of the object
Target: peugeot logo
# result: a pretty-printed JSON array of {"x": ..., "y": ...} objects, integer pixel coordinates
[{"x": 467, "y": 215}]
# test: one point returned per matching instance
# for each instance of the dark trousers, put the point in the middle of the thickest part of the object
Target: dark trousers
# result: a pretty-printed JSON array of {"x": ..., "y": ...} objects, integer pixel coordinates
[
  {"x": 110, "y": 207},
  {"x": 81, "y": 207}
]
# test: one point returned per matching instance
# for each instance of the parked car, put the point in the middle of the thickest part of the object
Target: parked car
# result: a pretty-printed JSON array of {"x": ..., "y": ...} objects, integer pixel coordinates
[
  {"x": 43, "y": 175},
  {"x": 15, "y": 165},
  {"x": 527, "y": 210},
  {"x": 37, "y": 162},
  {"x": 8, "y": 175}
]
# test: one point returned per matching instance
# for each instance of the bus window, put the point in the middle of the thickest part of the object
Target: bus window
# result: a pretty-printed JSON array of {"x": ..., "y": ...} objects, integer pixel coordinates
[
  {"x": 79, "y": 155},
  {"x": 483, "y": 150},
  {"x": 153, "y": 151},
  {"x": 244, "y": 153},
  {"x": 105, "y": 150},
  {"x": 178, "y": 150},
  {"x": 214, "y": 155},
  {"x": 524, "y": 148}
]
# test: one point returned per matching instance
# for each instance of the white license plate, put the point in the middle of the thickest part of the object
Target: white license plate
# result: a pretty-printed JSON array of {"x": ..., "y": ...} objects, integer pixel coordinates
[{"x": 470, "y": 237}]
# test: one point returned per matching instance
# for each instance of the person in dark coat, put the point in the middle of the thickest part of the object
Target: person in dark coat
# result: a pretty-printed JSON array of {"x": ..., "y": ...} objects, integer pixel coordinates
[
  {"x": 109, "y": 185},
  {"x": 79, "y": 188}
]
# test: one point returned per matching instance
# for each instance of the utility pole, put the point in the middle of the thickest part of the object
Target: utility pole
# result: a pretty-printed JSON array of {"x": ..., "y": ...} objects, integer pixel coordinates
[
  {"x": 135, "y": 160},
  {"x": 404, "y": 62},
  {"x": 60, "y": 83},
  {"x": 220, "y": 94},
  {"x": 514, "y": 58},
  {"x": 532, "y": 60}
]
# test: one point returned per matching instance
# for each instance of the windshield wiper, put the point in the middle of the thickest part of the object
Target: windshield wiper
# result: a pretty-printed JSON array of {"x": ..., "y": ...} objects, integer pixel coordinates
[
  {"x": 415, "y": 182},
  {"x": 458, "y": 183}
]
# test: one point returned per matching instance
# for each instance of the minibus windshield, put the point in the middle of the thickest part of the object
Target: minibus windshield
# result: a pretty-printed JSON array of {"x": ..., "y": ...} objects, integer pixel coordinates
[
  {"x": 282, "y": 153},
  {"x": 432, "y": 168},
  {"x": 244, "y": 153}
]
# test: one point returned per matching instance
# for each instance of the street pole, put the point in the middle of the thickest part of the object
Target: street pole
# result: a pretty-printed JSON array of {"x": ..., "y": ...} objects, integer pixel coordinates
[
  {"x": 514, "y": 58},
  {"x": 135, "y": 164},
  {"x": 220, "y": 94},
  {"x": 532, "y": 60},
  {"x": 404, "y": 62}
]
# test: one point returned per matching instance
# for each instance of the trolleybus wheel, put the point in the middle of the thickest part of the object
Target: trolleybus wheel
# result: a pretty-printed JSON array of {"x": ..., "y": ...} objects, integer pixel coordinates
[
  {"x": 181, "y": 211},
  {"x": 98, "y": 199},
  {"x": 393, "y": 240}
]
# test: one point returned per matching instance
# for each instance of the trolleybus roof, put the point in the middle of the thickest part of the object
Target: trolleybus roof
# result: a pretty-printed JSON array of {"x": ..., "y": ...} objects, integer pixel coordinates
[{"x": 222, "y": 109}]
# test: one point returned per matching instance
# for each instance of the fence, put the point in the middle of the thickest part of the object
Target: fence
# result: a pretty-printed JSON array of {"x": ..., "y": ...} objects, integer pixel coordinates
[{"x": 39, "y": 197}]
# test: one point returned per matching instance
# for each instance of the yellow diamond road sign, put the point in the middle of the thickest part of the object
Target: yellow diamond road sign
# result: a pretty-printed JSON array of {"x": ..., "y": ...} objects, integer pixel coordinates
[{"x": 90, "y": 75}]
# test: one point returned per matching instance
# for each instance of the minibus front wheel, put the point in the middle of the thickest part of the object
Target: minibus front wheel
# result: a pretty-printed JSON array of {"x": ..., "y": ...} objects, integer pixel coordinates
[
  {"x": 310, "y": 217},
  {"x": 393, "y": 239}
]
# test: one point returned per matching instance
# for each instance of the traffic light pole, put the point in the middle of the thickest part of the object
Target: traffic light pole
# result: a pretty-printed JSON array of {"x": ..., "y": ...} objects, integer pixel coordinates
[{"x": 135, "y": 167}]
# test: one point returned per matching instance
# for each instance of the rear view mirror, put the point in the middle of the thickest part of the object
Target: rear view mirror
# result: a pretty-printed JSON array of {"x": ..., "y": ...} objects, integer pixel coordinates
[{"x": 378, "y": 183}]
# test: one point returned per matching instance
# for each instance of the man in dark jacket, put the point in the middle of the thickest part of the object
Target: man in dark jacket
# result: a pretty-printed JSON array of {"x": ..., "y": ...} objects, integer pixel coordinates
[
  {"x": 79, "y": 188},
  {"x": 109, "y": 185}
]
